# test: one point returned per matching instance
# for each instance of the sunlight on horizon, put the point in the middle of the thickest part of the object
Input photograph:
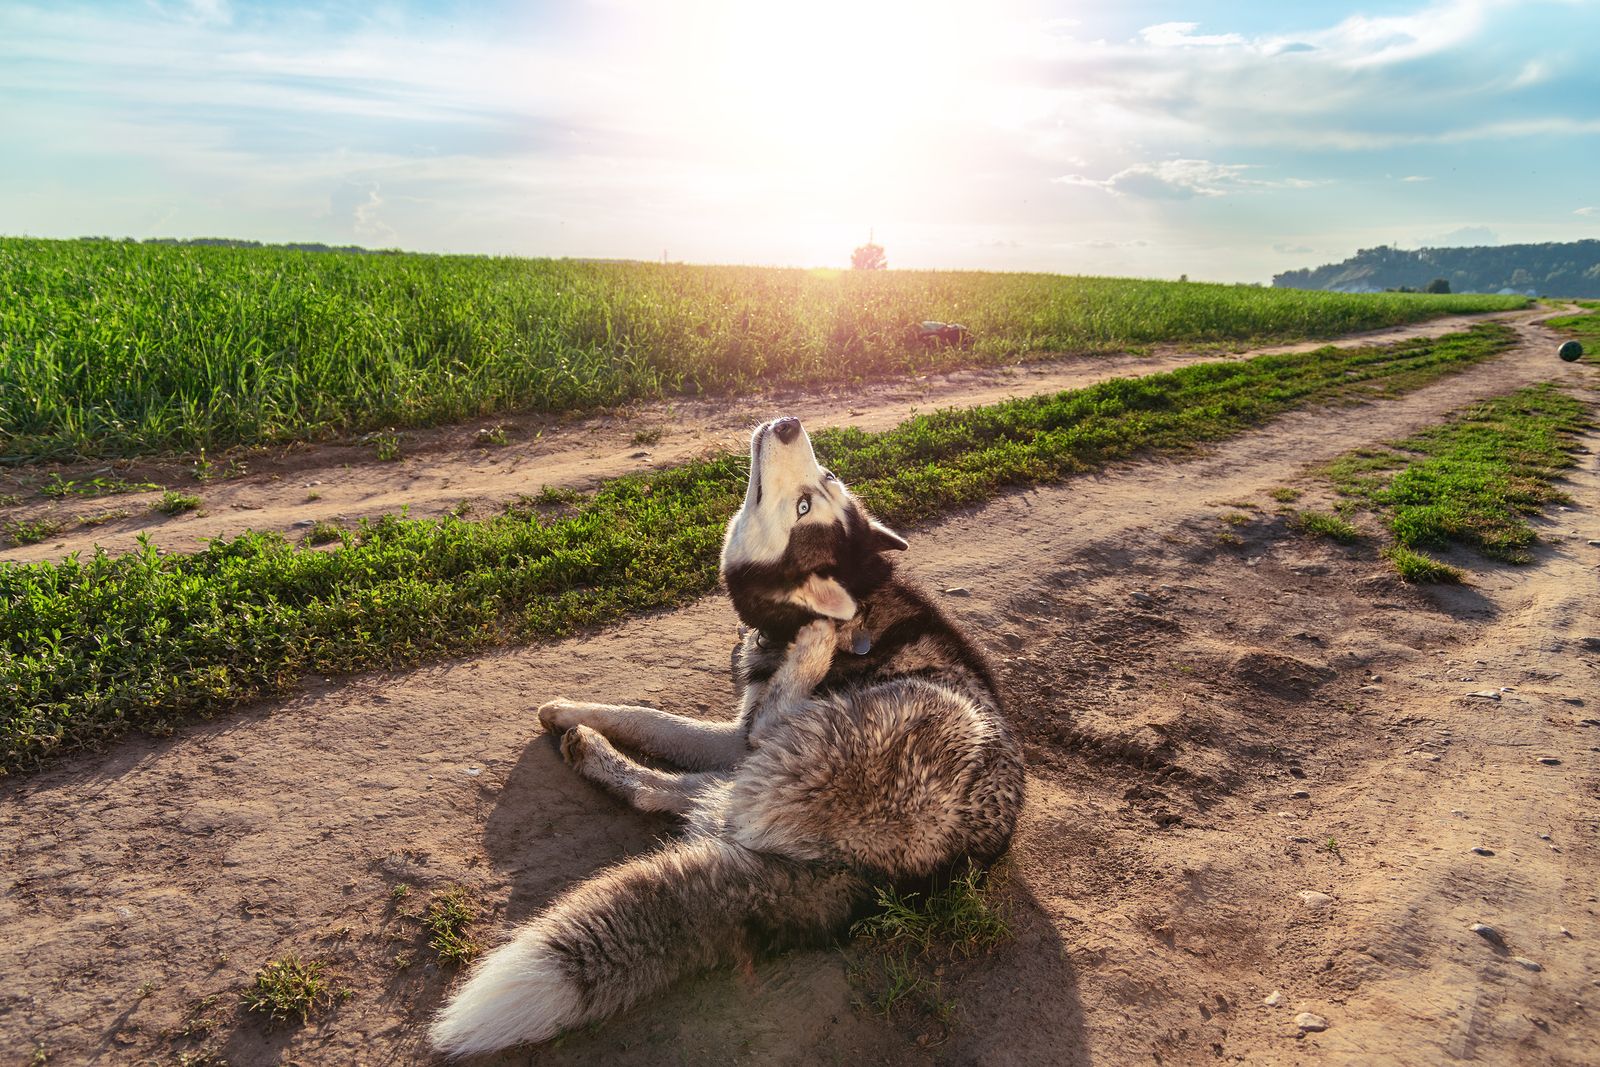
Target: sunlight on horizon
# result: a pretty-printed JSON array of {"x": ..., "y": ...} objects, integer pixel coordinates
[{"x": 836, "y": 116}]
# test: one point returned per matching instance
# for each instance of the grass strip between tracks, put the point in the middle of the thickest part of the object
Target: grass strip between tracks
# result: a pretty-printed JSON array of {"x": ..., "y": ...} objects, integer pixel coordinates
[
  {"x": 1471, "y": 480},
  {"x": 91, "y": 647}
]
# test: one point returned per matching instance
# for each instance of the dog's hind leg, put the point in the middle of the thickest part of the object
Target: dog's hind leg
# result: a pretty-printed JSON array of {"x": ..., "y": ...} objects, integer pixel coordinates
[
  {"x": 690, "y": 743},
  {"x": 647, "y": 789}
]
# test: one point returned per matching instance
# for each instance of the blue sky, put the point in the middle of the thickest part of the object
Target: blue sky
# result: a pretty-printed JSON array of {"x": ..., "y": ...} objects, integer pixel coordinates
[{"x": 1222, "y": 141}]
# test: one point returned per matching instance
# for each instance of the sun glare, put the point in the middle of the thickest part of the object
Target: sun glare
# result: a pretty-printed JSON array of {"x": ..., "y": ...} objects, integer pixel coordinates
[{"x": 833, "y": 87}]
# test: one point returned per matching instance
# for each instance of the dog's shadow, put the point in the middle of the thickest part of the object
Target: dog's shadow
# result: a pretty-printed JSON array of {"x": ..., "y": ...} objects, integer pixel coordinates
[{"x": 550, "y": 830}]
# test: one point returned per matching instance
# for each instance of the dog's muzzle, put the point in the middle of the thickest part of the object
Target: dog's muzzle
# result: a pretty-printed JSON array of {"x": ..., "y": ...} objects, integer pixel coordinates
[{"x": 787, "y": 428}]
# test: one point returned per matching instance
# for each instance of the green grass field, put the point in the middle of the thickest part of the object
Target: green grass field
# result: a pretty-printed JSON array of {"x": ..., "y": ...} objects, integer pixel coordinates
[
  {"x": 91, "y": 647},
  {"x": 111, "y": 348}
]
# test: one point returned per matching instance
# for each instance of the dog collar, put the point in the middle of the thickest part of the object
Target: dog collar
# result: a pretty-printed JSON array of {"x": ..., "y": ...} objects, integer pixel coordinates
[
  {"x": 863, "y": 642},
  {"x": 860, "y": 646}
]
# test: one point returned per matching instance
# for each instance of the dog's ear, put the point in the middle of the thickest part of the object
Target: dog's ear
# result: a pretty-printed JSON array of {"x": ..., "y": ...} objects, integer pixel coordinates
[
  {"x": 882, "y": 539},
  {"x": 825, "y": 597}
]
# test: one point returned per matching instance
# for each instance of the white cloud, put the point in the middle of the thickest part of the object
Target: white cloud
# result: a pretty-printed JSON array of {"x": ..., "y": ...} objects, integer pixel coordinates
[
  {"x": 1366, "y": 41},
  {"x": 1587, "y": 211},
  {"x": 1533, "y": 72},
  {"x": 1416, "y": 178},
  {"x": 1183, "y": 179},
  {"x": 1465, "y": 236},
  {"x": 358, "y": 206},
  {"x": 1364, "y": 83},
  {"x": 1182, "y": 35}
]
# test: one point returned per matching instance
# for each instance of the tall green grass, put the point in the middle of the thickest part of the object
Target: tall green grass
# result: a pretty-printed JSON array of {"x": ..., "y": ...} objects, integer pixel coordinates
[
  {"x": 90, "y": 647},
  {"x": 111, "y": 348}
]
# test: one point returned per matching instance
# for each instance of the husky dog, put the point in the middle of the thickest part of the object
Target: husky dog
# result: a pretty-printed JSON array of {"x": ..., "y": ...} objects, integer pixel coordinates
[{"x": 870, "y": 749}]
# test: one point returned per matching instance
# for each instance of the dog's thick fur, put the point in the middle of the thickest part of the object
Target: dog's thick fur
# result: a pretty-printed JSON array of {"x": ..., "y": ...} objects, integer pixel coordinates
[{"x": 870, "y": 748}]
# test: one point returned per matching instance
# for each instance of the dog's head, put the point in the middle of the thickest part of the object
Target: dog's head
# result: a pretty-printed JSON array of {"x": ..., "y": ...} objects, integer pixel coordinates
[{"x": 801, "y": 547}]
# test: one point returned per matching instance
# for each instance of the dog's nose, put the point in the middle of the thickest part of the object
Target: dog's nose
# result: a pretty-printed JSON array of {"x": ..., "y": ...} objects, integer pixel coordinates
[{"x": 787, "y": 428}]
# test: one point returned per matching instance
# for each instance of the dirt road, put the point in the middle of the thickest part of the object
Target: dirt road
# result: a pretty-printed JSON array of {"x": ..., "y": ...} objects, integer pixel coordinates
[
  {"x": 1255, "y": 773},
  {"x": 291, "y": 489}
]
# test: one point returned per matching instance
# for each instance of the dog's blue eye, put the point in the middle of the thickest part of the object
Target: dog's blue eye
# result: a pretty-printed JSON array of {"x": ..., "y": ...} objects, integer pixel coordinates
[
  {"x": 804, "y": 505},
  {"x": 827, "y": 476}
]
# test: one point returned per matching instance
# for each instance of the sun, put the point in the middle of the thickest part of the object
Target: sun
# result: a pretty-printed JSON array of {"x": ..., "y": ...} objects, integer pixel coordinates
[{"x": 830, "y": 83}]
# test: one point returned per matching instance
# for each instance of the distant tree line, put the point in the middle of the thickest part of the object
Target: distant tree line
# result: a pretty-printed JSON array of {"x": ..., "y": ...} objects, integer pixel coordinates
[
  {"x": 235, "y": 242},
  {"x": 1552, "y": 269}
]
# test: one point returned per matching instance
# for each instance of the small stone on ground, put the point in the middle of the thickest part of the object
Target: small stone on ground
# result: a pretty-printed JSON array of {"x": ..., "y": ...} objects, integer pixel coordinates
[{"x": 1488, "y": 933}]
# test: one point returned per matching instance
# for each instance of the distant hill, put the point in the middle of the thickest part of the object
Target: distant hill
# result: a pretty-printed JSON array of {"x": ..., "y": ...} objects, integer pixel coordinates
[{"x": 1570, "y": 269}]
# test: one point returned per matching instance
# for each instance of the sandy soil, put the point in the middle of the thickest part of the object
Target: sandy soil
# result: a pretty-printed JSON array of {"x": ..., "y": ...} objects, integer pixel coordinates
[
  {"x": 290, "y": 489},
  {"x": 1219, "y": 717}
]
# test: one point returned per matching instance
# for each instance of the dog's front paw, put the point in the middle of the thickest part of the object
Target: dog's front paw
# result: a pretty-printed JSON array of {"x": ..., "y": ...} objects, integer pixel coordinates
[
  {"x": 558, "y": 714},
  {"x": 576, "y": 742},
  {"x": 816, "y": 636},
  {"x": 814, "y": 645}
]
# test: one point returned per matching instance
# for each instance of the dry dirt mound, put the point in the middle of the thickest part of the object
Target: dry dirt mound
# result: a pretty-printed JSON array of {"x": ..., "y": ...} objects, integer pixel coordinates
[{"x": 1255, "y": 774}]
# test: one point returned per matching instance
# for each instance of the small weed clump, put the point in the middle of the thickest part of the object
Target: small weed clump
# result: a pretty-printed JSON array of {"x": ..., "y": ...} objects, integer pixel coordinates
[
  {"x": 648, "y": 437},
  {"x": 1285, "y": 495},
  {"x": 31, "y": 531},
  {"x": 103, "y": 517},
  {"x": 491, "y": 437},
  {"x": 386, "y": 446},
  {"x": 958, "y": 918},
  {"x": 173, "y": 502},
  {"x": 912, "y": 935},
  {"x": 1418, "y": 569},
  {"x": 1323, "y": 524},
  {"x": 57, "y": 487},
  {"x": 446, "y": 920},
  {"x": 324, "y": 532},
  {"x": 289, "y": 989},
  {"x": 555, "y": 495}
]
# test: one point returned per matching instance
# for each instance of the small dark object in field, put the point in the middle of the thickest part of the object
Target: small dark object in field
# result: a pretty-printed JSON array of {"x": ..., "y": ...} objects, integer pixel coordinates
[
  {"x": 934, "y": 334},
  {"x": 1570, "y": 351}
]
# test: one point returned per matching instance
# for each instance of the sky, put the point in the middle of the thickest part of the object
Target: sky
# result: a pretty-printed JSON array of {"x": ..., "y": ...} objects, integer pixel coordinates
[{"x": 1221, "y": 141}]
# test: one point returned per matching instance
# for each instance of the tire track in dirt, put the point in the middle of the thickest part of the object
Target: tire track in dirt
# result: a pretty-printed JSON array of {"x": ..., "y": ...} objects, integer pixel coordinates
[
  {"x": 291, "y": 489},
  {"x": 1152, "y": 883}
]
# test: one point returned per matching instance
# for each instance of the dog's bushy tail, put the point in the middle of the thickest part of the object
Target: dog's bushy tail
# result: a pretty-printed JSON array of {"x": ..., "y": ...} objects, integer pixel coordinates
[{"x": 635, "y": 929}]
